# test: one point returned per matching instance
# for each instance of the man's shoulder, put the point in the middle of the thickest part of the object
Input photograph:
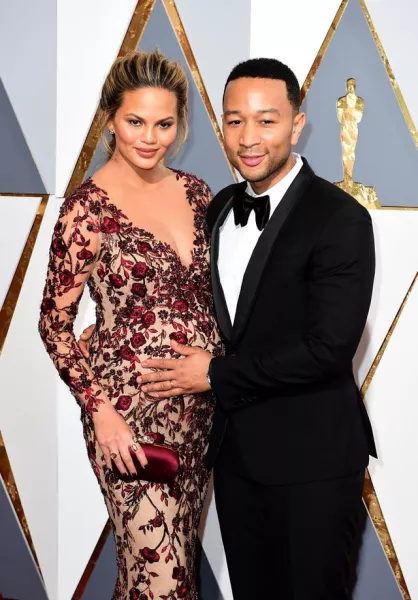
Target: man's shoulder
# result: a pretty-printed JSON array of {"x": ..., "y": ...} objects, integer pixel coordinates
[
  {"x": 333, "y": 199},
  {"x": 218, "y": 202}
]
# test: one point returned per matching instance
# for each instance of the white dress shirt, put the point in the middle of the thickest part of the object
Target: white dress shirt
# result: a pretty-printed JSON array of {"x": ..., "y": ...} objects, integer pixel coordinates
[{"x": 236, "y": 243}]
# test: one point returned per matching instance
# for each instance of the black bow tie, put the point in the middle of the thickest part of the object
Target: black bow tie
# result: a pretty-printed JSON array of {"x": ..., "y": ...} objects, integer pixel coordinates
[{"x": 244, "y": 204}]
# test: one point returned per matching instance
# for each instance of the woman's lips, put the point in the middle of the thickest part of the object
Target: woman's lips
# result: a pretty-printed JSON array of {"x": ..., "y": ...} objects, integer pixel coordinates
[
  {"x": 252, "y": 161},
  {"x": 145, "y": 153}
]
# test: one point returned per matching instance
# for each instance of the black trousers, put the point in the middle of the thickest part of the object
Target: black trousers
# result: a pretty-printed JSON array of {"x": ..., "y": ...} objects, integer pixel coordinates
[{"x": 288, "y": 542}]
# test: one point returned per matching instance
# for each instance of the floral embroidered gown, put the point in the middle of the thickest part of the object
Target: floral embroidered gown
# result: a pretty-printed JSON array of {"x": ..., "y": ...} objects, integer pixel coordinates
[{"x": 144, "y": 297}]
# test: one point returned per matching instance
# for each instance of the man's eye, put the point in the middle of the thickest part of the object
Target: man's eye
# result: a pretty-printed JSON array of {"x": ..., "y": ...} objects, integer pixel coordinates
[
  {"x": 235, "y": 122},
  {"x": 267, "y": 122}
]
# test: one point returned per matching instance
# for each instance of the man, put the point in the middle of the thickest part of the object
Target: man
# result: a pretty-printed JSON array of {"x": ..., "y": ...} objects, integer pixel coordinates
[{"x": 293, "y": 268}]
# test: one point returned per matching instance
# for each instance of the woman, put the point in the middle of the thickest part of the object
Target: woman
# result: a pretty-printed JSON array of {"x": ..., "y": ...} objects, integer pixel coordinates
[{"x": 135, "y": 234}]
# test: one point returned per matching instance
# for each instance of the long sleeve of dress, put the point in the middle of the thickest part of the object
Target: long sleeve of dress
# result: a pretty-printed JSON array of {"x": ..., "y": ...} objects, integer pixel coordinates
[{"x": 74, "y": 247}]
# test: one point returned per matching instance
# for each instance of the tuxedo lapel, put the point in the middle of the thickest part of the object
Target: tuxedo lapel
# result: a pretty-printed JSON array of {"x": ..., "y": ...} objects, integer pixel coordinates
[
  {"x": 263, "y": 248},
  {"x": 221, "y": 308}
]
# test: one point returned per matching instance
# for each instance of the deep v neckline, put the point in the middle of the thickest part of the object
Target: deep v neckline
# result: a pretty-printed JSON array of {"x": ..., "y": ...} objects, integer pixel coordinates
[{"x": 169, "y": 247}]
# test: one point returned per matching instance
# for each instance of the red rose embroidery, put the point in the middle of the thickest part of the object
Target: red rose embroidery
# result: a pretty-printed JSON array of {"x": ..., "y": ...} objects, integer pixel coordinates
[
  {"x": 181, "y": 306},
  {"x": 136, "y": 312},
  {"x": 143, "y": 247},
  {"x": 148, "y": 319},
  {"x": 139, "y": 270},
  {"x": 64, "y": 373},
  {"x": 134, "y": 594},
  {"x": 139, "y": 289},
  {"x": 206, "y": 328},
  {"x": 157, "y": 521},
  {"x": 109, "y": 225},
  {"x": 116, "y": 280},
  {"x": 85, "y": 254},
  {"x": 66, "y": 277},
  {"x": 150, "y": 555},
  {"x": 59, "y": 247},
  {"x": 48, "y": 305},
  {"x": 138, "y": 340},
  {"x": 179, "y": 337},
  {"x": 175, "y": 491},
  {"x": 182, "y": 590},
  {"x": 126, "y": 353},
  {"x": 179, "y": 573},
  {"x": 91, "y": 450},
  {"x": 101, "y": 273},
  {"x": 123, "y": 403}
]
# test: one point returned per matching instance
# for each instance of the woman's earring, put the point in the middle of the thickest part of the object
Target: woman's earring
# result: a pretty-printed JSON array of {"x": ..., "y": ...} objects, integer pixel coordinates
[{"x": 111, "y": 132}]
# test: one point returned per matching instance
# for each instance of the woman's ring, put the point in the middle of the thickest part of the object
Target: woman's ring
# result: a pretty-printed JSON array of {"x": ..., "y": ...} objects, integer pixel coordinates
[
  {"x": 172, "y": 383},
  {"x": 134, "y": 447},
  {"x": 113, "y": 455}
]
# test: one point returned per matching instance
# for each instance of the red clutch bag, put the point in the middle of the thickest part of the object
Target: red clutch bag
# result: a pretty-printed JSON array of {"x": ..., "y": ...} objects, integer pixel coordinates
[{"x": 163, "y": 462}]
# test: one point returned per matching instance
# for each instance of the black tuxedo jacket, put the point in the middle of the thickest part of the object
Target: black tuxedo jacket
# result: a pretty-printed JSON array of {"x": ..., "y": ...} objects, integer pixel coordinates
[{"x": 288, "y": 408}]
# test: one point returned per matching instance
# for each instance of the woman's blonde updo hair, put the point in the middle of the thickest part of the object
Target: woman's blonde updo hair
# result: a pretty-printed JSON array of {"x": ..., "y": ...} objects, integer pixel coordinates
[{"x": 141, "y": 70}]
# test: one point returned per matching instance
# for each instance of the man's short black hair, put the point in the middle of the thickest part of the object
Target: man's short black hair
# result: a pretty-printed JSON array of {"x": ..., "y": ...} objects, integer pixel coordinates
[{"x": 269, "y": 68}]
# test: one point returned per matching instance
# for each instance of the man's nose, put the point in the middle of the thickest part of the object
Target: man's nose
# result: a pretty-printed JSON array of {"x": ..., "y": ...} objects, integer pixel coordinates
[{"x": 249, "y": 136}]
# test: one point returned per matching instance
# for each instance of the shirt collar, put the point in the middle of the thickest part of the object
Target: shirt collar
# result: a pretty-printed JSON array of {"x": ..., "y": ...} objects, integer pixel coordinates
[{"x": 277, "y": 191}]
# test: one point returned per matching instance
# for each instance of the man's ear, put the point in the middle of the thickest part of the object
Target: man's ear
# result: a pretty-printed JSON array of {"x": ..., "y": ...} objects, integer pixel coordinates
[{"x": 299, "y": 123}]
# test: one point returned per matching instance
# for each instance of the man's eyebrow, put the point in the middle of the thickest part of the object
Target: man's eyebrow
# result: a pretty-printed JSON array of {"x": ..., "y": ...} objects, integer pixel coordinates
[
  {"x": 268, "y": 110},
  {"x": 262, "y": 111}
]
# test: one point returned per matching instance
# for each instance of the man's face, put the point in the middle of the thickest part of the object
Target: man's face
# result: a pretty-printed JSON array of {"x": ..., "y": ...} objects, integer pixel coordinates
[{"x": 260, "y": 127}]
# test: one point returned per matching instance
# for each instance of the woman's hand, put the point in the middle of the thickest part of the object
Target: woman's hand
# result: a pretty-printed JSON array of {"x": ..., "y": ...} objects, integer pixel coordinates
[
  {"x": 115, "y": 438},
  {"x": 84, "y": 341}
]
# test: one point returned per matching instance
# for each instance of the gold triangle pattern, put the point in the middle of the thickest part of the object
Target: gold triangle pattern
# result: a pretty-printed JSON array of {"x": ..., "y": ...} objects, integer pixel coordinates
[
  {"x": 11, "y": 487},
  {"x": 324, "y": 47},
  {"x": 78, "y": 594},
  {"x": 6, "y": 316},
  {"x": 369, "y": 495},
  {"x": 391, "y": 75},
  {"x": 130, "y": 42},
  {"x": 177, "y": 25},
  {"x": 12, "y": 296}
]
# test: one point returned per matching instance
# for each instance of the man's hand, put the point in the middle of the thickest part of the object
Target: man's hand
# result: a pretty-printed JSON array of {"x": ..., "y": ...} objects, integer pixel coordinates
[
  {"x": 84, "y": 341},
  {"x": 181, "y": 376}
]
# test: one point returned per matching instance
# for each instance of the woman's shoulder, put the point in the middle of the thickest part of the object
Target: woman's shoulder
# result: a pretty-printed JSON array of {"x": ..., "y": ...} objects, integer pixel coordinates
[
  {"x": 86, "y": 198},
  {"x": 194, "y": 182}
]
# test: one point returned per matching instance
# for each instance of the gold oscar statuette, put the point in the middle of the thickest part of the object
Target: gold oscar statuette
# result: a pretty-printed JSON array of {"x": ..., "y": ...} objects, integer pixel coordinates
[{"x": 350, "y": 109}]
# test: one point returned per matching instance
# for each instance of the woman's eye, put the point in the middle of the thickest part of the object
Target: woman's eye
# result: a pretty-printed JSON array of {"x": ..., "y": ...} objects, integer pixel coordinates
[
  {"x": 134, "y": 122},
  {"x": 165, "y": 125}
]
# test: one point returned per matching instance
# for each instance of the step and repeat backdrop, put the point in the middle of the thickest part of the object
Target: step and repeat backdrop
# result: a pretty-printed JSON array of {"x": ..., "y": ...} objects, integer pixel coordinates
[{"x": 356, "y": 62}]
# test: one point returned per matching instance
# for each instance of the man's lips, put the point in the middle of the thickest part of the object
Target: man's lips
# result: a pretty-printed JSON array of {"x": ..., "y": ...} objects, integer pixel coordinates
[{"x": 252, "y": 161}]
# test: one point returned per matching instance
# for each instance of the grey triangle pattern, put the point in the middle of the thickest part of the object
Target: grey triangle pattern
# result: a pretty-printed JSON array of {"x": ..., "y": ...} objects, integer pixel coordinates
[
  {"x": 18, "y": 171},
  {"x": 208, "y": 586},
  {"x": 202, "y": 153},
  {"x": 103, "y": 578},
  {"x": 386, "y": 156},
  {"x": 373, "y": 576},
  {"x": 19, "y": 575}
]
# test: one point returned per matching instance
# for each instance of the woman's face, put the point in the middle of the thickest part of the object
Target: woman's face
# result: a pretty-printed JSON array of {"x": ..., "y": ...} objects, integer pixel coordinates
[{"x": 145, "y": 126}]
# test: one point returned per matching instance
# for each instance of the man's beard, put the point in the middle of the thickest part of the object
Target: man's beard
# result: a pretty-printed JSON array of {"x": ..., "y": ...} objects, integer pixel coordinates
[{"x": 270, "y": 170}]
